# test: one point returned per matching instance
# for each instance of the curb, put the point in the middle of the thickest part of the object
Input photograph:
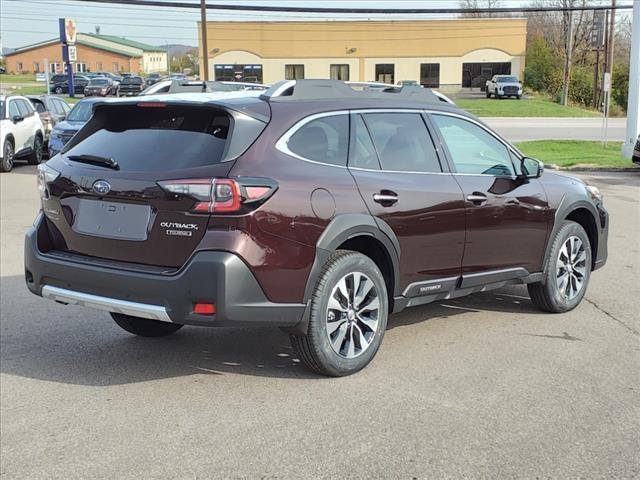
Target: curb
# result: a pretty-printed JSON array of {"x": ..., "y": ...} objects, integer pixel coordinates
[{"x": 596, "y": 169}]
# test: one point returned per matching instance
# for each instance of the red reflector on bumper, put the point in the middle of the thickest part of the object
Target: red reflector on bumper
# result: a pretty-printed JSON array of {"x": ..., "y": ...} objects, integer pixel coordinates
[{"x": 204, "y": 309}]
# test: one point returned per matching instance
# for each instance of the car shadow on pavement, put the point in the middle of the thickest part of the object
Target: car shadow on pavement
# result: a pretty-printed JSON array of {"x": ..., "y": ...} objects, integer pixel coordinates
[{"x": 76, "y": 345}]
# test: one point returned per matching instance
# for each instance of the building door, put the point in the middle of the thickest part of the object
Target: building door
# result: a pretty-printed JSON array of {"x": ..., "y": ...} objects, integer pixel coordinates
[{"x": 474, "y": 75}]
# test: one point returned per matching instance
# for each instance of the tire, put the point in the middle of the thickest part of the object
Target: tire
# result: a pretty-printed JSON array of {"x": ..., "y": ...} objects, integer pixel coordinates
[
  {"x": 568, "y": 271},
  {"x": 58, "y": 90},
  {"x": 341, "y": 341},
  {"x": 144, "y": 327},
  {"x": 488, "y": 94},
  {"x": 8, "y": 153},
  {"x": 518, "y": 96},
  {"x": 36, "y": 156}
]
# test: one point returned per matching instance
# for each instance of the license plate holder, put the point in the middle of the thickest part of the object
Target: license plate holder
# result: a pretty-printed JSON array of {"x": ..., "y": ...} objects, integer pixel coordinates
[{"x": 117, "y": 220}]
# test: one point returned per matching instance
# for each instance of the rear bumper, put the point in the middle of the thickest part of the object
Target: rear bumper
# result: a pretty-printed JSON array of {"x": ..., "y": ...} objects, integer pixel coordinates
[{"x": 216, "y": 277}]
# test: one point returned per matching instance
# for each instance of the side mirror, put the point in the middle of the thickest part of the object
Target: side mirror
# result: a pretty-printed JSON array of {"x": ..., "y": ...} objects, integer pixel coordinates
[
  {"x": 531, "y": 167},
  {"x": 17, "y": 118}
]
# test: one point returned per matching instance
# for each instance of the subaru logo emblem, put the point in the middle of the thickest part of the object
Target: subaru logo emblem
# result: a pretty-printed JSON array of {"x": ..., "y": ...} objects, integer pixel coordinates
[{"x": 101, "y": 187}]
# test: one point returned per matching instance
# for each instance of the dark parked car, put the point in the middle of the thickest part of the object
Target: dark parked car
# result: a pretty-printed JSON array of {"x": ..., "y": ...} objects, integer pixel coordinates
[
  {"x": 79, "y": 84},
  {"x": 312, "y": 207},
  {"x": 75, "y": 120},
  {"x": 131, "y": 86},
  {"x": 51, "y": 109},
  {"x": 112, "y": 76},
  {"x": 636, "y": 152},
  {"x": 153, "y": 78},
  {"x": 102, "y": 87}
]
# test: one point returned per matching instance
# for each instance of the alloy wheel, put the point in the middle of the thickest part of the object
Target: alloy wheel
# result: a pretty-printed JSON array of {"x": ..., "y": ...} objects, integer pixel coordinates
[
  {"x": 37, "y": 146},
  {"x": 571, "y": 267},
  {"x": 8, "y": 156},
  {"x": 352, "y": 316}
]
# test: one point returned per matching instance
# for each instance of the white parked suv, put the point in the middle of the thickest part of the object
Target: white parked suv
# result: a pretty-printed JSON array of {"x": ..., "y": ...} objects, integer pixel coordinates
[{"x": 21, "y": 132}]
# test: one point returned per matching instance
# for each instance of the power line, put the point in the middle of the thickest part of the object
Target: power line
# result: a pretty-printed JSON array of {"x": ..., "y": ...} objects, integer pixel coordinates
[{"x": 272, "y": 8}]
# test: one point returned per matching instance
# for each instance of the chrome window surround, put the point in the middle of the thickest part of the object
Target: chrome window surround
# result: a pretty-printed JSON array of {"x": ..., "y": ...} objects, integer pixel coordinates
[{"x": 282, "y": 142}]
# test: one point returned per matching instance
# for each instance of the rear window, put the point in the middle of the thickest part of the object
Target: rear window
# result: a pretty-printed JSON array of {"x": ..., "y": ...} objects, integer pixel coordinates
[
  {"x": 132, "y": 80},
  {"x": 165, "y": 138},
  {"x": 98, "y": 81}
]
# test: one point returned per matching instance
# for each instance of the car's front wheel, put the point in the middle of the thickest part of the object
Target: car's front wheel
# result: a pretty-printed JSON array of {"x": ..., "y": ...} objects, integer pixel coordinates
[
  {"x": 58, "y": 90},
  {"x": 488, "y": 94},
  {"x": 144, "y": 327},
  {"x": 7, "y": 156},
  {"x": 348, "y": 317},
  {"x": 568, "y": 271}
]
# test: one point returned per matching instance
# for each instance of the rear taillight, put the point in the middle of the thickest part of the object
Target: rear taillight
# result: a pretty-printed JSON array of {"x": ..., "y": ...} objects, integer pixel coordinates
[
  {"x": 222, "y": 195},
  {"x": 46, "y": 175}
]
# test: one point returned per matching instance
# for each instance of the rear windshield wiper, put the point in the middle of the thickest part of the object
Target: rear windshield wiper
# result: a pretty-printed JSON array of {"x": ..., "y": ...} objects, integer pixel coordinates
[{"x": 95, "y": 160}]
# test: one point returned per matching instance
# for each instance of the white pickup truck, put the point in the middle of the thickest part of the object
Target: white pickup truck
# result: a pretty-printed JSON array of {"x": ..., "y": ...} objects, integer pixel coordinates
[{"x": 504, "y": 86}]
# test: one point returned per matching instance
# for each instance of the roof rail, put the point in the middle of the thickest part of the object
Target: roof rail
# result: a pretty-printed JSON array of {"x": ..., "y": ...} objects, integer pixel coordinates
[
  {"x": 182, "y": 86},
  {"x": 335, "y": 89}
]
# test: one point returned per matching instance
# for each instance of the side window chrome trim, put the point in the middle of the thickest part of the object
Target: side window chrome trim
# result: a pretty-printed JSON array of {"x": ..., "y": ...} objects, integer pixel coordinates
[{"x": 283, "y": 142}]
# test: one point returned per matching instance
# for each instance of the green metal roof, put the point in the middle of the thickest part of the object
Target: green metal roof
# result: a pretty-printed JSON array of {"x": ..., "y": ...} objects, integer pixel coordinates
[
  {"x": 86, "y": 40},
  {"x": 125, "y": 41}
]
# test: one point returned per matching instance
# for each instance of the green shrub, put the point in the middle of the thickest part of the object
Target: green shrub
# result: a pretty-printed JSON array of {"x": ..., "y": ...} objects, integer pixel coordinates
[
  {"x": 620, "y": 85},
  {"x": 581, "y": 85}
]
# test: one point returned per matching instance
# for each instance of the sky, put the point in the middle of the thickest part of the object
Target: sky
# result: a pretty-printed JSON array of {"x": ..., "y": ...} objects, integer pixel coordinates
[{"x": 23, "y": 22}]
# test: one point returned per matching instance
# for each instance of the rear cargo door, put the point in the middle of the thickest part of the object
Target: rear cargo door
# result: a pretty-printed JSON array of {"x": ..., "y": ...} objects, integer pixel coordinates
[{"x": 111, "y": 201}]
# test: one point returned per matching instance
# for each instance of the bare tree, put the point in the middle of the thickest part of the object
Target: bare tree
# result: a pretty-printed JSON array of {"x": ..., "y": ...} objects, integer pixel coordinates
[
  {"x": 474, "y": 4},
  {"x": 554, "y": 27}
]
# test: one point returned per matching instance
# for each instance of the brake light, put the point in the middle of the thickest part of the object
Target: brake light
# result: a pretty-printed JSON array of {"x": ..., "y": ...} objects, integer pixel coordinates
[
  {"x": 152, "y": 104},
  {"x": 204, "y": 309},
  {"x": 222, "y": 195}
]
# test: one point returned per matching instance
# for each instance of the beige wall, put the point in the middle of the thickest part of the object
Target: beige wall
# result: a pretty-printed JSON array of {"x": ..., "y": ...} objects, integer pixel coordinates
[{"x": 406, "y": 44}]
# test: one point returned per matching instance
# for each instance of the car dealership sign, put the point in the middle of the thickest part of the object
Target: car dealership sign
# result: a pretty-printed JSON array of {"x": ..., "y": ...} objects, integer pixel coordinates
[
  {"x": 68, "y": 33},
  {"x": 68, "y": 30}
]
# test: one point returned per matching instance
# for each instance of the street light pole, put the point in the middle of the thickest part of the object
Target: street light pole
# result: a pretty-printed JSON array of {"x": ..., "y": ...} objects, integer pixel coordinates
[
  {"x": 203, "y": 34},
  {"x": 633, "y": 105}
]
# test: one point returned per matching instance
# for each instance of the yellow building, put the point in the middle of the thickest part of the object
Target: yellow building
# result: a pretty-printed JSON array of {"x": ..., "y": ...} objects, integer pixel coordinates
[{"x": 444, "y": 54}]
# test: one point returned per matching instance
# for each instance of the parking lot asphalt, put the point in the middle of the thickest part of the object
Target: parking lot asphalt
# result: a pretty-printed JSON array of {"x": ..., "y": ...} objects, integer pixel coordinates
[{"x": 483, "y": 386}]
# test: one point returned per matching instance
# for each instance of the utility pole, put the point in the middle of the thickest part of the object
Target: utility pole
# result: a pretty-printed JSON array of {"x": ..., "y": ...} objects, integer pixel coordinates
[
  {"x": 633, "y": 105},
  {"x": 606, "y": 83},
  {"x": 203, "y": 34},
  {"x": 568, "y": 41}
]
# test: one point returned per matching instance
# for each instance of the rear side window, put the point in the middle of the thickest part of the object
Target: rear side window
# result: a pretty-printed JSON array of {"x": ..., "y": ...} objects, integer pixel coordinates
[
  {"x": 322, "y": 140},
  {"x": 403, "y": 142},
  {"x": 165, "y": 138}
]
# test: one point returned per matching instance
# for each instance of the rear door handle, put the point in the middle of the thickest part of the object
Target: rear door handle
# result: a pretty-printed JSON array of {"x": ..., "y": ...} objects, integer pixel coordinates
[
  {"x": 477, "y": 198},
  {"x": 385, "y": 199}
]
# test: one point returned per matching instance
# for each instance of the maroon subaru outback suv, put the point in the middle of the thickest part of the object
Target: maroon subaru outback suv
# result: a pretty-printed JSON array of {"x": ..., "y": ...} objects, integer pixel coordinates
[{"x": 313, "y": 207}]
